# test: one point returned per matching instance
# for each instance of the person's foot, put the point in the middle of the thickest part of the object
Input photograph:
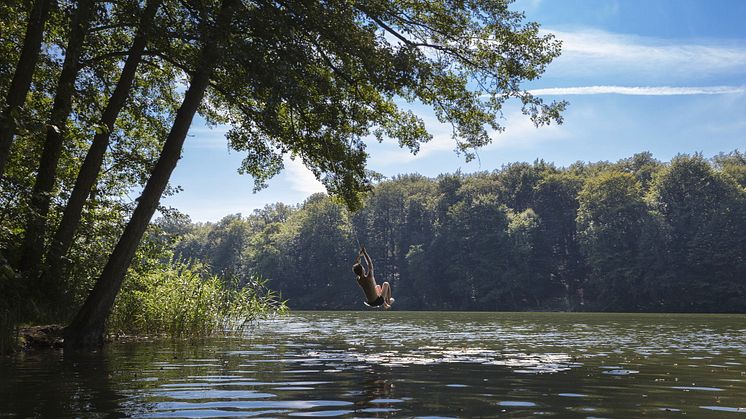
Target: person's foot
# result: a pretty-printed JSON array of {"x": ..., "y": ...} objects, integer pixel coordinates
[{"x": 391, "y": 301}]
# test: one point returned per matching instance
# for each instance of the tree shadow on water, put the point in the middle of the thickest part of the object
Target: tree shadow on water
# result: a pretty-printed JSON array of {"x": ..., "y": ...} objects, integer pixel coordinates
[{"x": 53, "y": 384}]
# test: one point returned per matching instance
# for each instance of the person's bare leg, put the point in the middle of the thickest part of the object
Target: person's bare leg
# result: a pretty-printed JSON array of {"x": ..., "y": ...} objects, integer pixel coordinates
[{"x": 386, "y": 294}]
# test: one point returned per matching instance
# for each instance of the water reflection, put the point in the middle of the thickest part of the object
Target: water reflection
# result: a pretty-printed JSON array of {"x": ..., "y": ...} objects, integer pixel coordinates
[
  {"x": 422, "y": 365},
  {"x": 48, "y": 384}
]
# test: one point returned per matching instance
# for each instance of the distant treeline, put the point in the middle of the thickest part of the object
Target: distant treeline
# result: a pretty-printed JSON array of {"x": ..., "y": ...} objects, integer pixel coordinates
[{"x": 635, "y": 235}]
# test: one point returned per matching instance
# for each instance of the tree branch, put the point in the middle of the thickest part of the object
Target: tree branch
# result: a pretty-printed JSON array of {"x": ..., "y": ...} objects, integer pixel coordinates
[
  {"x": 411, "y": 43},
  {"x": 114, "y": 54}
]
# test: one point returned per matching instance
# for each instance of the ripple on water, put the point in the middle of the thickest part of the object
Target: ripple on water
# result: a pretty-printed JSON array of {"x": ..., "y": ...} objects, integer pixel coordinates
[
  {"x": 725, "y": 409},
  {"x": 293, "y": 388},
  {"x": 514, "y": 403},
  {"x": 247, "y": 352},
  {"x": 250, "y": 405},
  {"x": 192, "y": 385},
  {"x": 621, "y": 372},
  {"x": 689, "y": 388},
  {"x": 211, "y": 413},
  {"x": 299, "y": 371},
  {"x": 379, "y": 410},
  {"x": 322, "y": 413},
  {"x": 385, "y": 401},
  {"x": 202, "y": 394}
]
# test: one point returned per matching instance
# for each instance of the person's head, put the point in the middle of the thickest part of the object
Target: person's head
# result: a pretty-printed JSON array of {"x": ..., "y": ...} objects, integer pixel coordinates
[{"x": 358, "y": 269}]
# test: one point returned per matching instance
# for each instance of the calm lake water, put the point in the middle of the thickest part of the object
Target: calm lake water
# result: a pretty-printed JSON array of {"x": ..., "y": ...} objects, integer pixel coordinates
[{"x": 405, "y": 364}]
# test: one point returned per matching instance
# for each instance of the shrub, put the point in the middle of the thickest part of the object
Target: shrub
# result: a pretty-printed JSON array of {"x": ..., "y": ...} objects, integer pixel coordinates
[{"x": 184, "y": 300}]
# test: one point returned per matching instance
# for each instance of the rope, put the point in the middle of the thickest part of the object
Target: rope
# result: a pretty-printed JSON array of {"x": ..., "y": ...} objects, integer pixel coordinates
[
  {"x": 337, "y": 164},
  {"x": 357, "y": 126}
]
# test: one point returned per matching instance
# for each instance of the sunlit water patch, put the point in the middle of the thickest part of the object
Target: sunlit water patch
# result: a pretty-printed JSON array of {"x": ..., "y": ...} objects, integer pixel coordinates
[{"x": 399, "y": 364}]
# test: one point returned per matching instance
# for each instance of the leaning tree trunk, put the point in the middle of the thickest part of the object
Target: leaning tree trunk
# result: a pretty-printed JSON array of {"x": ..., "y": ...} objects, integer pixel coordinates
[
  {"x": 88, "y": 327},
  {"x": 41, "y": 196},
  {"x": 94, "y": 158},
  {"x": 19, "y": 87}
]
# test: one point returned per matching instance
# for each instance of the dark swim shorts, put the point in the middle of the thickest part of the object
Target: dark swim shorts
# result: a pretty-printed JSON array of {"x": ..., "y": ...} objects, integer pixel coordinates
[{"x": 377, "y": 302}]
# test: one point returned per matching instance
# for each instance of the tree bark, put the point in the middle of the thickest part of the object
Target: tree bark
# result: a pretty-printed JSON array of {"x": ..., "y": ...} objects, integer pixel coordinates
[
  {"x": 21, "y": 82},
  {"x": 88, "y": 327},
  {"x": 41, "y": 196},
  {"x": 91, "y": 167}
]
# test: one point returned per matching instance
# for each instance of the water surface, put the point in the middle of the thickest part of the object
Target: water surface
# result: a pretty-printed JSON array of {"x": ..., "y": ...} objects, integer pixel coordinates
[{"x": 404, "y": 364}]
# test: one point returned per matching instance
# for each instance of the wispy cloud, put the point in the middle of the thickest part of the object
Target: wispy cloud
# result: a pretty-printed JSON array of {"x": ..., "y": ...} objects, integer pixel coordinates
[
  {"x": 599, "y": 54},
  {"x": 389, "y": 154},
  {"x": 640, "y": 90},
  {"x": 300, "y": 178},
  {"x": 201, "y": 136},
  {"x": 519, "y": 132}
]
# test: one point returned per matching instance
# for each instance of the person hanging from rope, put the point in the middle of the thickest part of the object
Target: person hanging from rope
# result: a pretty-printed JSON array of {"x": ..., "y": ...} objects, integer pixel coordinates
[{"x": 376, "y": 295}]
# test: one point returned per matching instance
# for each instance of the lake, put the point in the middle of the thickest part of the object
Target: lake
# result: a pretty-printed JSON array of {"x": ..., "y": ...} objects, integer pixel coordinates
[{"x": 404, "y": 364}]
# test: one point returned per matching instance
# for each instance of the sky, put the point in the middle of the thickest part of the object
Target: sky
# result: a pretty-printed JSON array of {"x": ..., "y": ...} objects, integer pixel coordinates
[{"x": 665, "y": 76}]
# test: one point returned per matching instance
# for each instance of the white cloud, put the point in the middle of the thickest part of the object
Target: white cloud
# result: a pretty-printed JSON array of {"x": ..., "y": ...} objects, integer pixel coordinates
[
  {"x": 640, "y": 90},
  {"x": 391, "y": 154},
  {"x": 201, "y": 136},
  {"x": 519, "y": 132},
  {"x": 300, "y": 178},
  {"x": 596, "y": 53}
]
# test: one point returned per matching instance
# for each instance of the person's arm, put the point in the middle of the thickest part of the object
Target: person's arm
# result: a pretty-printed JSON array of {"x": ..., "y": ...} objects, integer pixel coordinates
[
  {"x": 367, "y": 259},
  {"x": 357, "y": 262}
]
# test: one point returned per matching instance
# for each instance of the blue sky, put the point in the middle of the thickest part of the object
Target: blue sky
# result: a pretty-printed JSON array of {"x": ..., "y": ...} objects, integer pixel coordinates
[{"x": 665, "y": 76}]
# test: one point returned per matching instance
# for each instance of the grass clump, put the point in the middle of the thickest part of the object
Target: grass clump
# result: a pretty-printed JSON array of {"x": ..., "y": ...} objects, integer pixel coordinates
[{"x": 184, "y": 300}]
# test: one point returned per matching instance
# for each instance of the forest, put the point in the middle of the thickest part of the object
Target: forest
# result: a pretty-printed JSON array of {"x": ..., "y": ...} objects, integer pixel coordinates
[{"x": 635, "y": 235}]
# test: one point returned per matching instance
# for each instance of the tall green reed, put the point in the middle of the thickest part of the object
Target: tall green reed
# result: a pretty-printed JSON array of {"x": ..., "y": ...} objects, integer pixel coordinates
[{"x": 184, "y": 300}]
